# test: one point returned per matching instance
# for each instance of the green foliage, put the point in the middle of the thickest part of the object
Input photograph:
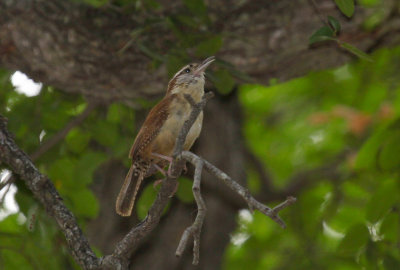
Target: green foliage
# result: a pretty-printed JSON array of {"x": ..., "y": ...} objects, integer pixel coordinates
[
  {"x": 346, "y": 7},
  {"x": 146, "y": 199},
  {"x": 184, "y": 192},
  {"x": 330, "y": 33},
  {"x": 335, "y": 24},
  {"x": 322, "y": 34},
  {"x": 355, "y": 51},
  {"x": 30, "y": 239},
  {"x": 345, "y": 220}
]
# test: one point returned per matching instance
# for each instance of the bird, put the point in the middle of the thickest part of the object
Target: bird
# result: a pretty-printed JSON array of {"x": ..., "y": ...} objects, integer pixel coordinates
[{"x": 155, "y": 141}]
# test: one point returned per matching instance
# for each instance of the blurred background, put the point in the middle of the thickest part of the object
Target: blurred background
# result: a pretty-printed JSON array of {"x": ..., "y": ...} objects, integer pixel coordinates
[{"x": 307, "y": 104}]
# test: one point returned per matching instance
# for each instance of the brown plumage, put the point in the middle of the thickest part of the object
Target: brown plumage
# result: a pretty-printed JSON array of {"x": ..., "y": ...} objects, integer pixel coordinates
[{"x": 160, "y": 129}]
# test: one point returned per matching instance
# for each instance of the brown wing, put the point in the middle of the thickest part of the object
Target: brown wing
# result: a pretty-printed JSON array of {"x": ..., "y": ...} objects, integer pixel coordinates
[{"x": 151, "y": 126}]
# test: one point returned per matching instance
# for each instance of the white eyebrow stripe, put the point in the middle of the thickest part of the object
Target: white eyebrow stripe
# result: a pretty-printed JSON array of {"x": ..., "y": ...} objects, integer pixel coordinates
[{"x": 179, "y": 72}]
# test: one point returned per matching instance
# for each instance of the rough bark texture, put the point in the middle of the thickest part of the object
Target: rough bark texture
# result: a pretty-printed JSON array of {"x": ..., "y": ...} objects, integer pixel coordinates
[{"x": 76, "y": 49}]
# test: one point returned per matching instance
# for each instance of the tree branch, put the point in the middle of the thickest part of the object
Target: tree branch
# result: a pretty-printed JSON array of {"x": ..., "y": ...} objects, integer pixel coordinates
[
  {"x": 131, "y": 241},
  {"x": 195, "y": 229},
  {"x": 44, "y": 190}
]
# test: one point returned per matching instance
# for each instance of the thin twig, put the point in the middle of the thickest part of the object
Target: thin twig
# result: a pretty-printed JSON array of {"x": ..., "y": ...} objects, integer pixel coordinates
[
  {"x": 195, "y": 229},
  {"x": 244, "y": 193}
]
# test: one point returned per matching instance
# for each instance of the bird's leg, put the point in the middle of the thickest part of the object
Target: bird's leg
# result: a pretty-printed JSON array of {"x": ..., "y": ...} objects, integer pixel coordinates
[
  {"x": 160, "y": 169},
  {"x": 159, "y": 181},
  {"x": 169, "y": 159}
]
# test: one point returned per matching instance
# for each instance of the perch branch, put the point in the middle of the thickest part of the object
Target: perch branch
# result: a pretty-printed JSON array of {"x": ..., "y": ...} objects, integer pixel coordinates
[
  {"x": 244, "y": 193},
  {"x": 44, "y": 190},
  {"x": 125, "y": 248},
  {"x": 195, "y": 229},
  {"x": 196, "y": 109}
]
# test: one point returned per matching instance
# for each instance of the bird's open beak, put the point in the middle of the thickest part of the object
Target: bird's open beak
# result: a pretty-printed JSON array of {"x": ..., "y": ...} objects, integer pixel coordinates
[{"x": 204, "y": 65}]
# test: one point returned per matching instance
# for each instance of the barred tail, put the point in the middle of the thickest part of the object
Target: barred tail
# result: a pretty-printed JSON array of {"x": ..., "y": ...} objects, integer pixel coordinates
[{"x": 127, "y": 195}]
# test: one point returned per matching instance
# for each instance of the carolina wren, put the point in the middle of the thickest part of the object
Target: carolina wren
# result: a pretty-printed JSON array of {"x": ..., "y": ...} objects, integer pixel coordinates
[{"x": 156, "y": 139}]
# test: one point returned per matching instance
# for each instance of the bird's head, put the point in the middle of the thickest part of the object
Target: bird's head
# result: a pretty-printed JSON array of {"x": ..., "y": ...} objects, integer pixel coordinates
[{"x": 189, "y": 77}]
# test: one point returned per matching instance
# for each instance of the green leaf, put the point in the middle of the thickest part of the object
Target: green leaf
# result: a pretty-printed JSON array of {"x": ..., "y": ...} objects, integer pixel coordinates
[
  {"x": 209, "y": 47},
  {"x": 390, "y": 227},
  {"x": 383, "y": 199},
  {"x": 10, "y": 224},
  {"x": 62, "y": 172},
  {"x": 357, "y": 52},
  {"x": 391, "y": 263},
  {"x": 14, "y": 259},
  {"x": 223, "y": 81},
  {"x": 77, "y": 140},
  {"x": 322, "y": 34},
  {"x": 366, "y": 157},
  {"x": 335, "y": 24},
  {"x": 114, "y": 113},
  {"x": 389, "y": 157},
  {"x": 145, "y": 201},
  {"x": 105, "y": 133},
  {"x": 84, "y": 203},
  {"x": 346, "y": 7},
  {"x": 197, "y": 7},
  {"x": 184, "y": 192},
  {"x": 87, "y": 163},
  {"x": 355, "y": 238}
]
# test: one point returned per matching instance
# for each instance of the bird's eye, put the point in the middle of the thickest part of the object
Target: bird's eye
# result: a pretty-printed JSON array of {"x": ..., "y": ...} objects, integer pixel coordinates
[{"x": 187, "y": 70}]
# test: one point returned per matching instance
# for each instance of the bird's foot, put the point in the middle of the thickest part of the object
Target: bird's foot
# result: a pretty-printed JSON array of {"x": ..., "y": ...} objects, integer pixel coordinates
[{"x": 167, "y": 158}]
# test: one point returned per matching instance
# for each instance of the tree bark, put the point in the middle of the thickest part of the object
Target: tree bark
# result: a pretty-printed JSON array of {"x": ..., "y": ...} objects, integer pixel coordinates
[{"x": 76, "y": 48}]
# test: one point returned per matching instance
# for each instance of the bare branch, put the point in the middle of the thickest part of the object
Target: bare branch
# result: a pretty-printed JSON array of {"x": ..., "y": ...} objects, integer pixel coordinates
[
  {"x": 131, "y": 241},
  {"x": 44, "y": 190},
  {"x": 244, "y": 193},
  {"x": 195, "y": 229},
  {"x": 196, "y": 109}
]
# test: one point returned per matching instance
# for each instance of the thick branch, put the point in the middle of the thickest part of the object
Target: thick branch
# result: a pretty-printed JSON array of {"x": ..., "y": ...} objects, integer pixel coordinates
[
  {"x": 76, "y": 47},
  {"x": 44, "y": 190}
]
